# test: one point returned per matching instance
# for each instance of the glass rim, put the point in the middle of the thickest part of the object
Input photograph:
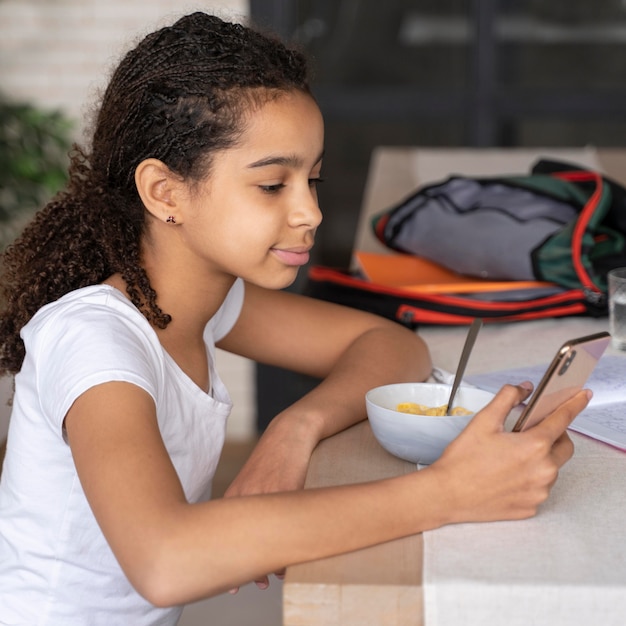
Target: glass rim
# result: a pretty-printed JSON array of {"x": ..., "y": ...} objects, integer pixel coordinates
[{"x": 617, "y": 272}]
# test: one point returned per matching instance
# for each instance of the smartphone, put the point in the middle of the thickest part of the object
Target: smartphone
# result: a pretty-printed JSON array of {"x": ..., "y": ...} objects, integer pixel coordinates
[{"x": 566, "y": 375}]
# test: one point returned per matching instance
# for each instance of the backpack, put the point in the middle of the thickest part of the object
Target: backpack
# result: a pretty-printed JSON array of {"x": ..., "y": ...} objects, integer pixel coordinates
[{"x": 535, "y": 245}]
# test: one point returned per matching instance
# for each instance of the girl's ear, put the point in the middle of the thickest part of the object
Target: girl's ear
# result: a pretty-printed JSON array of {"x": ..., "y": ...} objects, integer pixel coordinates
[{"x": 159, "y": 190}]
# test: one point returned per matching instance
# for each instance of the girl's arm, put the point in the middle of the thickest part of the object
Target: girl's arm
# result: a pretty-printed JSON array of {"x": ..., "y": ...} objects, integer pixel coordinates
[
  {"x": 175, "y": 552},
  {"x": 350, "y": 350}
]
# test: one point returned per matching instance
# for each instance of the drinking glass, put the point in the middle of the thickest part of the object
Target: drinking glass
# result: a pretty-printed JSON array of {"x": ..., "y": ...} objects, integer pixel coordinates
[{"x": 617, "y": 307}]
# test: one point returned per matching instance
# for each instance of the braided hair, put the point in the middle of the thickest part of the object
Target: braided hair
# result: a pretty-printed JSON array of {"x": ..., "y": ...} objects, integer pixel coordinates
[{"x": 179, "y": 96}]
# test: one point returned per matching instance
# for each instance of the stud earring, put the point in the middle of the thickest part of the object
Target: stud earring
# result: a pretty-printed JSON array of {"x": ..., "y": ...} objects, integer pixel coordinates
[{"x": 171, "y": 220}]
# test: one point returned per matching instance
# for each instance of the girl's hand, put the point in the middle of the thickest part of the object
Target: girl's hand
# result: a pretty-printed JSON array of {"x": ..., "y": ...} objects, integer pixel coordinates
[
  {"x": 262, "y": 583},
  {"x": 279, "y": 461},
  {"x": 489, "y": 474}
]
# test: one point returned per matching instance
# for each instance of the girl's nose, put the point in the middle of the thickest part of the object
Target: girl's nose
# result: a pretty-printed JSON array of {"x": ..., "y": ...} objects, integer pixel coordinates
[{"x": 306, "y": 210}]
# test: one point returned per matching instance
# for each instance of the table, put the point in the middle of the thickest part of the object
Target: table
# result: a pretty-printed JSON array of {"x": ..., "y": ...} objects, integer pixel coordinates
[{"x": 464, "y": 574}]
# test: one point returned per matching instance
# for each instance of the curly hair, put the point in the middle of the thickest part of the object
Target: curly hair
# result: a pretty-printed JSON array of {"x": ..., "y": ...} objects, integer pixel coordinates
[{"x": 179, "y": 96}]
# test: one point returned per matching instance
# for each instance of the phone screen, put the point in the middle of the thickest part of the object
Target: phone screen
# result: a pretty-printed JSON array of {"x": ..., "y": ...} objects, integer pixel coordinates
[{"x": 566, "y": 375}]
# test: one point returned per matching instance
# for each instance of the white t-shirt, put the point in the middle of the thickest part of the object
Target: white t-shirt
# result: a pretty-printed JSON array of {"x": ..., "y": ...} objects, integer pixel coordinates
[{"x": 56, "y": 568}]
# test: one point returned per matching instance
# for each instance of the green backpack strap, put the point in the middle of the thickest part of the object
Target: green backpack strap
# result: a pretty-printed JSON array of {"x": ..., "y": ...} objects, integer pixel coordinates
[
  {"x": 548, "y": 185},
  {"x": 568, "y": 257}
]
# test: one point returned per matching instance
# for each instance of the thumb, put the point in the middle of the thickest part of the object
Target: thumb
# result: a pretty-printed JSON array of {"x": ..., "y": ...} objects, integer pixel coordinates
[{"x": 493, "y": 415}]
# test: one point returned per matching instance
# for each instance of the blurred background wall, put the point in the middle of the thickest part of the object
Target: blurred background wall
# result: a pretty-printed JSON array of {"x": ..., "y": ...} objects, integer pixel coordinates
[
  {"x": 446, "y": 73},
  {"x": 453, "y": 73},
  {"x": 58, "y": 52}
]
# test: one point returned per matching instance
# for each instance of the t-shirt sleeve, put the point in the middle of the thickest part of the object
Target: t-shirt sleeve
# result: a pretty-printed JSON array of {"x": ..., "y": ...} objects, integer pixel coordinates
[{"x": 84, "y": 346}]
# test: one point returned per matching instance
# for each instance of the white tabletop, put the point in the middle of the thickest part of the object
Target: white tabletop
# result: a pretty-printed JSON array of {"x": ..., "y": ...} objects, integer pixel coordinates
[{"x": 567, "y": 565}]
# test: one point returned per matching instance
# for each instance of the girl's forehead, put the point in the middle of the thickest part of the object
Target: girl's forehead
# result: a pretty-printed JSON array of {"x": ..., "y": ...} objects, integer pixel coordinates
[
  {"x": 289, "y": 126},
  {"x": 283, "y": 106}
]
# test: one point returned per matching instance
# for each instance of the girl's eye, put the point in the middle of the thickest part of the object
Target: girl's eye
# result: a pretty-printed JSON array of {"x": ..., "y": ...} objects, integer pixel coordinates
[{"x": 272, "y": 188}]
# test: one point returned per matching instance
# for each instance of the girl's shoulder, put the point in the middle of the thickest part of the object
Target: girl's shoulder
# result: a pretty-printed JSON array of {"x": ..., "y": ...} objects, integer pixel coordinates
[
  {"x": 105, "y": 296},
  {"x": 83, "y": 314},
  {"x": 105, "y": 309},
  {"x": 91, "y": 335}
]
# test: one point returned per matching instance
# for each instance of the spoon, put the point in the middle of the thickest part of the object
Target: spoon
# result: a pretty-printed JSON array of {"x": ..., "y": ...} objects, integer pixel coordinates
[{"x": 467, "y": 349}]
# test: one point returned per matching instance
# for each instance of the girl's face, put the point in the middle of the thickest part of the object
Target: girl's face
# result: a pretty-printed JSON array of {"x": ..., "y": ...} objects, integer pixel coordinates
[{"x": 256, "y": 214}]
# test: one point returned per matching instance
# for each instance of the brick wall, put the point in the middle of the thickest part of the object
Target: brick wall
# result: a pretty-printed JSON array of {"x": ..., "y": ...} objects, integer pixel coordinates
[{"x": 58, "y": 52}]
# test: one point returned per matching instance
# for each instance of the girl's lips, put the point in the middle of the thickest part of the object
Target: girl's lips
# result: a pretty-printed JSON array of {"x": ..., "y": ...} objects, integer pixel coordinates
[{"x": 292, "y": 257}]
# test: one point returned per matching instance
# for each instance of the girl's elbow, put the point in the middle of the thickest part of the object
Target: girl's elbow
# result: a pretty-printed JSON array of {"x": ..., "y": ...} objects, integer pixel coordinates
[
  {"x": 164, "y": 584},
  {"x": 154, "y": 583},
  {"x": 155, "y": 579}
]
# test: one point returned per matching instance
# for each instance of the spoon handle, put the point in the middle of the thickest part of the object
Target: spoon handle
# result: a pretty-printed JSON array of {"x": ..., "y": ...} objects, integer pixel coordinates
[{"x": 467, "y": 349}]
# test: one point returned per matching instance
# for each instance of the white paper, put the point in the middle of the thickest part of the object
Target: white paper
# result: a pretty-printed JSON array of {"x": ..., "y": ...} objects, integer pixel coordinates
[{"x": 605, "y": 417}]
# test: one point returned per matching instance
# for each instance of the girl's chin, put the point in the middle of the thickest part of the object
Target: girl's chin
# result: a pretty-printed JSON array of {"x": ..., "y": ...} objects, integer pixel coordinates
[{"x": 280, "y": 280}]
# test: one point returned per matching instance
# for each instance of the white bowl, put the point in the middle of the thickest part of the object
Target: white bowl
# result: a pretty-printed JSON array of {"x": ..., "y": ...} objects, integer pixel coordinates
[{"x": 419, "y": 438}]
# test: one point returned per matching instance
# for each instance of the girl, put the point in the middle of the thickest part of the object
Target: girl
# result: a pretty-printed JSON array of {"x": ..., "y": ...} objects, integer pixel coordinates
[{"x": 194, "y": 206}]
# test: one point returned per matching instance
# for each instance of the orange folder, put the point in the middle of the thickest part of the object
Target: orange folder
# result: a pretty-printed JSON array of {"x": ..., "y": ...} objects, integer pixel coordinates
[{"x": 414, "y": 273}]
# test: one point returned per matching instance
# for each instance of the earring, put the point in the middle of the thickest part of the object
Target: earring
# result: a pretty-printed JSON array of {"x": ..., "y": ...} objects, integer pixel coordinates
[{"x": 171, "y": 220}]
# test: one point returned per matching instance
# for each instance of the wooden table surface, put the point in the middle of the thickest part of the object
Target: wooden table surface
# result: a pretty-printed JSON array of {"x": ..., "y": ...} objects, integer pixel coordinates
[
  {"x": 372, "y": 586},
  {"x": 382, "y": 585}
]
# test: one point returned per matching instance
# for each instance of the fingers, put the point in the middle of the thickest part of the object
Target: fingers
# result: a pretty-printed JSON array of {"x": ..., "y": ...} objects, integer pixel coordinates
[
  {"x": 263, "y": 582},
  {"x": 555, "y": 424},
  {"x": 494, "y": 414},
  {"x": 562, "y": 450}
]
